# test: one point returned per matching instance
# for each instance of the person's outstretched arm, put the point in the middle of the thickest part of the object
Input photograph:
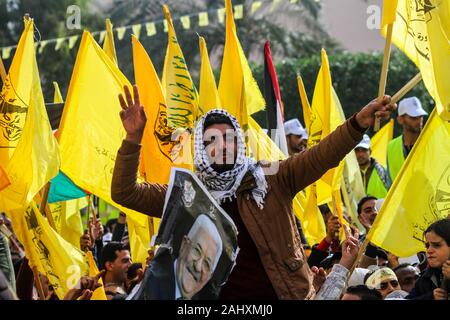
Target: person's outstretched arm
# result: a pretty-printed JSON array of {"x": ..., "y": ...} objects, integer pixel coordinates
[
  {"x": 299, "y": 171},
  {"x": 145, "y": 197}
]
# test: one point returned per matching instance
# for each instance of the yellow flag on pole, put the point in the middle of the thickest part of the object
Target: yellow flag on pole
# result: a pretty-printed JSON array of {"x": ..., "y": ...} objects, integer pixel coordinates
[
  {"x": 67, "y": 218},
  {"x": 57, "y": 96},
  {"x": 238, "y": 90},
  {"x": 209, "y": 97},
  {"x": 380, "y": 141},
  {"x": 159, "y": 152},
  {"x": 306, "y": 106},
  {"x": 419, "y": 195},
  {"x": 178, "y": 87},
  {"x": 108, "y": 45},
  {"x": 389, "y": 12},
  {"x": 35, "y": 159},
  {"x": 91, "y": 131},
  {"x": 422, "y": 31},
  {"x": 57, "y": 259},
  {"x": 15, "y": 94}
]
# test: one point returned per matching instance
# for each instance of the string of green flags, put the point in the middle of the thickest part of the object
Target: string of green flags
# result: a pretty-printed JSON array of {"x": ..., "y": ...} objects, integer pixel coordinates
[{"x": 151, "y": 28}]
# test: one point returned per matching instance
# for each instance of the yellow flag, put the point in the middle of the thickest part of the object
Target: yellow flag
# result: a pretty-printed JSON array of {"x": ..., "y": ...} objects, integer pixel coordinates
[
  {"x": 36, "y": 156},
  {"x": 326, "y": 116},
  {"x": 15, "y": 94},
  {"x": 58, "y": 260},
  {"x": 57, "y": 96},
  {"x": 209, "y": 97},
  {"x": 238, "y": 90},
  {"x": 178, "y": 87},
  {"x": 419, "y": 195},
  {"x": 389, "y": 12},
  {"x": 380, "y": 141},
  {"x": 108, "y": 45},
  {"x": 91, "y": 131},
  {"x": 422, "y": 31},
  {"x": 99, "y": 293},
  {"x": 67, "y": 218},
  {"x": 305, "y": 103}
]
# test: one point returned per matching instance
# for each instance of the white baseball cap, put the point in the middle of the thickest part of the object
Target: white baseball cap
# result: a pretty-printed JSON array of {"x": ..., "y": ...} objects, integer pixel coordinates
[
  {"x": 294, "y": 126},
  {"x": 412, "y": 107},
  {"x": 365, "y": 143}
]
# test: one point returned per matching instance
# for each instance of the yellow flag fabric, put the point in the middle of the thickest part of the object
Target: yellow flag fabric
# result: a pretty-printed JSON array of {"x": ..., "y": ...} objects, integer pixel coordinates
[
  {"x": 108, "y": 45},
  {"x": 91, "y": 131},
  {"x": 99, "y": 293},
  {"x": 352, "y": 188},
  {"x": 326, "y": 116},
  {"x": 67, "y": 218},
  {"x": 419, "y": 195},
  {"x": 389, "y": 12},
  {"x": 57, "y": 96},
  {"x": 306, "y": 106},
  {"x": 238, "y": 90},
  {"x": 422, "y": 31},
  {"x": 15, "y": 94},
  {"x": 178, "y": 87},
  {"x": 4, "y": 180},
  {"x": 159, "y": 152},
  {"x": 380, "y": 141},
  {"x": 209, "y": 98},
  {"x": 36, "y": 156},
  {"x": 58, "y": 260}
]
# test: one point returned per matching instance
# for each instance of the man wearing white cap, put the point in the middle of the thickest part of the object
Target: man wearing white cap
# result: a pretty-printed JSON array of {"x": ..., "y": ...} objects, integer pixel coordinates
[
  {"x": 375, "y": 177},
  {"x": 410, "y": 117},
  {"x": 296, "y": 136}
]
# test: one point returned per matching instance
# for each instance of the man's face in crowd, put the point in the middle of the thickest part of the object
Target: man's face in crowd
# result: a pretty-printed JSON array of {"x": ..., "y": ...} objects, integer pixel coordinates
[
  {"x": 388, "y": 286},
  {"x": 407, "y": 277},
  {"x": 296, "y": 144},
  {"x": 195, "y": 262},
  {"x": 119, "y": 267},
  {"x": 221, "y": 146},
  {"x": 369, "y": 211},
  {"x": 363, "y": 156},
  {"x": 411, "y": 124},
  {"x": 438, "y": 251}
]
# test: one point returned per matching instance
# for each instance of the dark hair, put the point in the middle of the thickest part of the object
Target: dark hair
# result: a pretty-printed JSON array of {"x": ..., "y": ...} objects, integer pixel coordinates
[
  {"x": 364, "y": 292},
  {"x": 132, "y": 270},
  {"x": 110, "y": 223},
  {"x": 109, "y": 252},
  {"x": 364, "y": 200},
  {"x": 216, "y": 118},
  {"x": 441, "y": 228},
  {"x": 402, "y": 266}
]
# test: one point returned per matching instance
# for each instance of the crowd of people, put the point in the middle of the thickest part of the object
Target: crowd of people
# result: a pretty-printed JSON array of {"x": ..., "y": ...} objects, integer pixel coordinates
[{"x": 274, "y": 261}]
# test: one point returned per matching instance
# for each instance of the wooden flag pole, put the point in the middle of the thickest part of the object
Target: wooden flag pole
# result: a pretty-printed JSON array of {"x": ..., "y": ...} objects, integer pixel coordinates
[
  {"x": 407, "y": 87},
  {"x": 384, "y": 70},
  {"x": 3, "y": 74},
  {"x": 40, "y": 289}
]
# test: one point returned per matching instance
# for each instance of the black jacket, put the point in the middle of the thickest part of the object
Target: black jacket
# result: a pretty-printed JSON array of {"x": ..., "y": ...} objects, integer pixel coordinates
[{"x": 423, "y": 290}]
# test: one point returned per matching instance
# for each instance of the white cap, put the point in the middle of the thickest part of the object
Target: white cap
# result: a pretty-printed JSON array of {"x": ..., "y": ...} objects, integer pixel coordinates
[
  {"x": 365, "y": 142},
  {"x": 412, "y": 107},
  {"x": 357, "y": 277},
  {"x": 294, "y": 126}
]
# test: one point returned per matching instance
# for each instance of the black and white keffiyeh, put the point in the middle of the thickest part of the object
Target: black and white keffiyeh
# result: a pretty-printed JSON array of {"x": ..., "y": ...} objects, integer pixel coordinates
[{"x": 224, "y": 185}]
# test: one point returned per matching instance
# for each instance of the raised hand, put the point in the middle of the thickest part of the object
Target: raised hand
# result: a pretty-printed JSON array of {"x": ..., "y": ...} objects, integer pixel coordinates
[
  {"x": 376, "y": 108},
  {"x": 133, "y": 115}
]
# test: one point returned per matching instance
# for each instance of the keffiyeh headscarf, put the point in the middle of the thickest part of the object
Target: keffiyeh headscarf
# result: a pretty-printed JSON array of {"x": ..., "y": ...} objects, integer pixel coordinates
[{"x": 224, "y": 185}]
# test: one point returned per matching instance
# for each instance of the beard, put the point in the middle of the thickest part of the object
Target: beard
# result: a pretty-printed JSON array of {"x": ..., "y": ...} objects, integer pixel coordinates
[{"x": 221, "y": 168}]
